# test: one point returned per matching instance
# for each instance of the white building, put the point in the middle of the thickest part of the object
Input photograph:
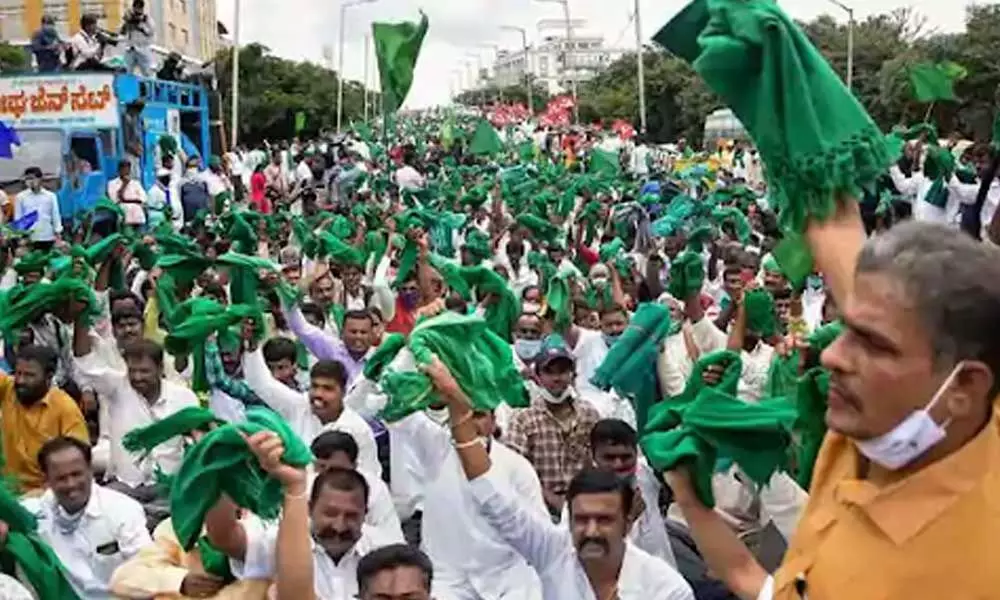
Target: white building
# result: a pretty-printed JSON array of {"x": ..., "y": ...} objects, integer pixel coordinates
[{"x": 554, "y": 62}]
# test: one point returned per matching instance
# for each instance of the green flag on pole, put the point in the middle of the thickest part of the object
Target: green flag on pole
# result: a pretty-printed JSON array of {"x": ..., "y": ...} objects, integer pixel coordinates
[
  {"x": 485, "y": 141},
  {"x": 397, "y": 46},
  {"x": 935, "y": 82}
]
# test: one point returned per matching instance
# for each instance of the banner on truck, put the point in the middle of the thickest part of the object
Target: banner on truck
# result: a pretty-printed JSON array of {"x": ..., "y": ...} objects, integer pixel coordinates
[{"x": 59, "y": 100}]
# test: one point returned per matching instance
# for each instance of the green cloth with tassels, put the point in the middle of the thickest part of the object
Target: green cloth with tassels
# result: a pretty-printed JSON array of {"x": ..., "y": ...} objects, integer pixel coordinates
[
  {"x": 222, "y": 463},
  {"x": 20, "y": 308},
  {"x": 706, "y": 424},
  {"x": 761, "y": 316},
  {"x": 37, "y": 561},
  {"x": 630, "y": 365},
  {"x": 480, "y": 361},
  {"x": 687, "y": 275}
]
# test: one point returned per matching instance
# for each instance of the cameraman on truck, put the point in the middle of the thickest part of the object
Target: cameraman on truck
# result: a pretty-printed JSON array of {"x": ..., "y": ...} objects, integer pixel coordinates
[{"x": 137, "y": 32}]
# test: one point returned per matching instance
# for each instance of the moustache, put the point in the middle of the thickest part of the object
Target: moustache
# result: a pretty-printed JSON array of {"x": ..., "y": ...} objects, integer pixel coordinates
[
  {"x": 595, "y": 541},
  {"x": 332, "y": 535}
]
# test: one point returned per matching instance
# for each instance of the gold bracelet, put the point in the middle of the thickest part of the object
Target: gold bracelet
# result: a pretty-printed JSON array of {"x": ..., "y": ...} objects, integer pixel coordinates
[
  {"x": 463, "y": 420},
  {"x": 463, "y": 445}
]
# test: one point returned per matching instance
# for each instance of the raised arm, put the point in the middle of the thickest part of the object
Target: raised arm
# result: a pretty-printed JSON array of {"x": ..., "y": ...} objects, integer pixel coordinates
[
  {"x": 324, "y": 345},
  {"x": 286, "y": 401}
]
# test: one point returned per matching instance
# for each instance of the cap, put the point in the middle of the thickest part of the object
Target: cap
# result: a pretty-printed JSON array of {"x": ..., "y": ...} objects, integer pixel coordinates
[
  {"x": 553, "y": 349},
  {"x": 290, "y": 257}
]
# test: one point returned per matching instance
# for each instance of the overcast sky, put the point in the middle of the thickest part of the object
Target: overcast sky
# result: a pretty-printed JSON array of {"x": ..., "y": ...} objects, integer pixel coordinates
[{"x": 299, "y": 29}]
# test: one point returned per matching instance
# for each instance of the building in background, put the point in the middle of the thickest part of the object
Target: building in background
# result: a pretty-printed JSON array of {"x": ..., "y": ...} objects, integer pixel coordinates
[
  {"x": 188, "y": 27},
  {"x": 554, "y": 62}
]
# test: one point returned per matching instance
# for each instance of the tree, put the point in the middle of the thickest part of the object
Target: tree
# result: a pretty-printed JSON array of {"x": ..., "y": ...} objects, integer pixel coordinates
[
  {"x": 512, "y": 94},
  {"x": 274, "y": 90},
  {"x": 13, "y": 59}
]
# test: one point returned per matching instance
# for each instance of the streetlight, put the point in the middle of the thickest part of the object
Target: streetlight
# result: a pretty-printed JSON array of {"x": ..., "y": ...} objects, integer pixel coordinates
[
  {"x": 340, "y": 57},
  {"x": 640, "y": 69},
  {"x": 569, "y": 49},
  {"x": 527, "y": 62},
  {"x": 236, "y": 77},
  {"x": 850, "y": 41}
]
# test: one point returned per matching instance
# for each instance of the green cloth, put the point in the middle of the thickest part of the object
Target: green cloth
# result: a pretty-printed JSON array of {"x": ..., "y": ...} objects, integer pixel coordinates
[
  {"x": 22, "y": 308},
  {"x": 222, "y": 463},
  {"x": 35, "y": 261},
  {"x": 814, "y": 137},
  {"x": 935, "y": 82},
  {"x": 604, "y": 163},
  {"x": 762, "y": 318},
  {"x": 24, "y": 547},
  {"x": 810, "y": 422},
  {"x": 503, "y": 309},
  {"x": 540, "y": 228},
  {"x": 715, "y": 426},
  {"x": 794, "y": 258},
  {"x": 485, "y": 141},
  {"x": 478, "y": 245},
  {"x": 397, "y": 47},
  {"x": 480, "y": 361},
  {"x": 182, "y": 422},
  {"x": 733, "y": 215},
  {"x": 197, "y": 319},
  {"x": 630, "y": 364},
  {"x": 559, "y": 302},
  {"x": 687, "y": 275}
]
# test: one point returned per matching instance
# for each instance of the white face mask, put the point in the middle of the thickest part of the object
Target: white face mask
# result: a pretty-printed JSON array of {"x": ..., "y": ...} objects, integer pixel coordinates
[
  {"x": 527, "y": 349},
  {"x": 914, "y": 436},
  {"x": 551, "y": 398},
  {"x": 531, "y": 308}
]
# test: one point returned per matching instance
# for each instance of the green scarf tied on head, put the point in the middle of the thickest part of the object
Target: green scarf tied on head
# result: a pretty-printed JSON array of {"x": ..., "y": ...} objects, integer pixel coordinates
[
  {"x": 630, "y": 365},
  {"x": 687, "y": 275},
  {"x": 761, "y": 316},
  {"x": 35, "y": 261},
  {"x": 814, "y": 137},
  {"x": 480, "y": 361},
  {"x": 25, "y": 548},
  {"x": 222, "y": 463},
  {"x": 616, "y": 253},
  {"x": 938, "y": 167}
]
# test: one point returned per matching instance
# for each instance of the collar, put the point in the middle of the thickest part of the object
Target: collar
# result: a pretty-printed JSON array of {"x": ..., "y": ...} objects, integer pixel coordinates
[
  {"x": 91, "y": 510},
  {"x": 904, "y": 509}
]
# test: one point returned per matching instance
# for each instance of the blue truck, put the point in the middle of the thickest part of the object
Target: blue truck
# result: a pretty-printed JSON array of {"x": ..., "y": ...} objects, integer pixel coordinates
[{"x": 78, "y": 126}]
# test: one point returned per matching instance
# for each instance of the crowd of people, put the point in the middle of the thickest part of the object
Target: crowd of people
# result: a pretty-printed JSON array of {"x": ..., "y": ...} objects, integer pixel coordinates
[{"x": 534, "y": 364}]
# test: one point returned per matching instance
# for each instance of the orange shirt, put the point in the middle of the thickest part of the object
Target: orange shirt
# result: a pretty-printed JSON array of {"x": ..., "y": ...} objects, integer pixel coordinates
[
  {"x": 26, "y": 428},
  {"x": 929, "y": 536}
]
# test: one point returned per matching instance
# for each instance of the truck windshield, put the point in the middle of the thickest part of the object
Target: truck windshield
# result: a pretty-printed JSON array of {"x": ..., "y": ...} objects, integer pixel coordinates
[{"x": 40, "y": 148}]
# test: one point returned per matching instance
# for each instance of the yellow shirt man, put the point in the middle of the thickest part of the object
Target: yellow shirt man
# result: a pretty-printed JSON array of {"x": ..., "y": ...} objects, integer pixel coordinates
[
  {"x": 926, "y": 537},
  {"x": 26, "y": 428}
]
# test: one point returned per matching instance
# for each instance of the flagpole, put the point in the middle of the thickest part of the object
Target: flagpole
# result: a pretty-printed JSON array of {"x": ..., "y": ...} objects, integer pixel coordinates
[{"x": 368, "y": 43}]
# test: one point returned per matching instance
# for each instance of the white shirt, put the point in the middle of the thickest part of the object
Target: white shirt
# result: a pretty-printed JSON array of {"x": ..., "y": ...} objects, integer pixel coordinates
[
  {"x": 471, "y": 559},
  {"x": 135, "y": 199},
  {"x": 408, "y": 178},
  {"x": 648, "y": 533},
  {"x": 380, "y": 515},
  {"x": 85, "y": 46},
  {"x": 303, "y": 173},
  {"x": 295, "y": 408},
  {"x": 127, "y": 410},
  {"x": 46, "y": 204},
  {"x": 111, "y": 531},
  {"x": 331, "y": 581},
  {"x": 549, "y": 549},
  {"x": 11, "y": 589},
  {"x": 640, "y": 160}
]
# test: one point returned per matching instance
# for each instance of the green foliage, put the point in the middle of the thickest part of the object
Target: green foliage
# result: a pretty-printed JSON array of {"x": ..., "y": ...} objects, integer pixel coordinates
[
  {"x": 274, "y": 90},
  {"x": 513, "y": 94},
  {"x": 885, "y": 47},
  {"x": 13, "y": 58}
]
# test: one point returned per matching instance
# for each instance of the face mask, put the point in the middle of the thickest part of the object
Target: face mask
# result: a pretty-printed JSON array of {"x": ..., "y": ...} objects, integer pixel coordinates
[
  {"x": 909, "y": 440},
  {"x": 551, "y": 398},
  {"x": 815, "y": 282},
  {"x": 610, "y": 339},
  {"x": 527, "y": 349}
]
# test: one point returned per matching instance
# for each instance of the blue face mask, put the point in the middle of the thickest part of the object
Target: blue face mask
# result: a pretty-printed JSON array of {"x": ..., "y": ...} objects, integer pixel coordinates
[
  {"x": 527, "y": 349},
  {"x": 410, "y": 299},
  {"x": 610, "y": 339},
  {"x": 815, "y": 282}
]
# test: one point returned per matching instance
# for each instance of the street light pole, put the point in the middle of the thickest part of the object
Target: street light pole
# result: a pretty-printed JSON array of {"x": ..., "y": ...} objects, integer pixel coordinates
[
  {"x": 527, "y": 64},
  {"x": 850, "y": 41},
  {"x": 235, "y": 93},
  {"x": 368, "y": 43},
  {"x": 569, "y": 50},
  {"x": 340, "y": 57},
  {"x": 640, "y": 69}
]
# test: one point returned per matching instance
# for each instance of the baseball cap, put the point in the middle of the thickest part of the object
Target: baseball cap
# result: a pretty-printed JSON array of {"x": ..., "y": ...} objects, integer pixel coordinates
[{"x": 554, "y": 349}]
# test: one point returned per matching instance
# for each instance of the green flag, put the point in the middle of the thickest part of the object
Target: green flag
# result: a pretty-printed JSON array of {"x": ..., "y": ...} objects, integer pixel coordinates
[
  {"x": 397, "y": 46},
  {"x": 604, "y": 162},
  {"x": 300, "y": 122},
  {"x": 485, "y": 140},
  {"x": 936, "y": 82}
]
